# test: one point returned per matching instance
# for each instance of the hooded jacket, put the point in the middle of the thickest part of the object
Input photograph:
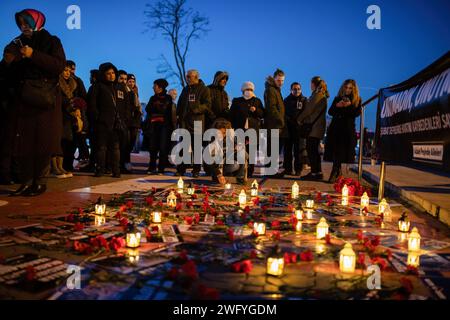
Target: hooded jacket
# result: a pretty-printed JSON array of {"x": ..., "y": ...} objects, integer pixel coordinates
[
  {"x": 109, "y": 100},
  {"x": 219, "y": 97},
  {"x": 274, "y": 107},
  {"x": 194, "y": 104}
]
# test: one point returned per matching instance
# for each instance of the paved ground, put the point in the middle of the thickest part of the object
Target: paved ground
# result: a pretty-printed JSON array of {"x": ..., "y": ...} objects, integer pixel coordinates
[{"x": 429, "y": 190}]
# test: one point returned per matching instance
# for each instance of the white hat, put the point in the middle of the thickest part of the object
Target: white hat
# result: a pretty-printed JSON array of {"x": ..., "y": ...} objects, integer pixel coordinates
[{"x": 247, "y": 85}]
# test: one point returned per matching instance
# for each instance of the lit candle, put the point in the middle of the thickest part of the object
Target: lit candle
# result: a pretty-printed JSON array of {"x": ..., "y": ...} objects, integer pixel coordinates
[
  {"x": 100, "y": 207},
  {"x": 382, "y": 206},
  {"x": 309, "y": 214},
  {"x": 295, "y": 190},
  {"x": 133, "y": 239},
  {"x": 259, "y": 228},
  {"x": 254, "y": 189},
  {"x": 309, "y": 204},
  {"x": 180, "y": 185},
  {"x": 299, "y": 214},
  {"x": 344, "y": 201},
  {"x": 403, "y": 223},
  {"x": 347, "y": 259},
  {"x": 156, "y": 217},
  {"x": 322, "y": 228},
  {"x": 413, "y": 259},
  {"x": 345, "y": 191},
  {"x": 275, "y": 263},
  {"x": 242, "y": 198},
  {"x": 228, "y": 186},
  {"x": 191, "y": 189},
  {"x": 414, "y": 240},
  {"x": 365, "y": 201},
  {"x": 172, "y": 200}
]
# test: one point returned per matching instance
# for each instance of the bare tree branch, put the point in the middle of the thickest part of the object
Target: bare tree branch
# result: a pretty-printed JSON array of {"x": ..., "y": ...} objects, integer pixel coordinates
[{"x": 180, "y": 26}]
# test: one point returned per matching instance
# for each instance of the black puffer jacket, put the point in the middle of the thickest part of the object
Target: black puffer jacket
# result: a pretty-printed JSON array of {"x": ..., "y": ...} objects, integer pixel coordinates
[
  {"x": 194, "y": 104},
  {"x": 219, "y": 97},
  {"x": 107, "y": 99},
  {"x": 294, "y": 107}
]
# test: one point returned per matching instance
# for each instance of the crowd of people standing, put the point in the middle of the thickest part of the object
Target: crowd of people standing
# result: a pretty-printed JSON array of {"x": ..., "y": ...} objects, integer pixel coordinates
[{"x": 48, "y": 117}]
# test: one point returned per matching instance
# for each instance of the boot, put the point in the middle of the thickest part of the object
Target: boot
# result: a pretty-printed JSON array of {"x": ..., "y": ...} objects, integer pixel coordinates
[
  {"x": 55, "y": 169},
  {"x": 59, "y": 163},
  {"x": 335, "y": 173}
]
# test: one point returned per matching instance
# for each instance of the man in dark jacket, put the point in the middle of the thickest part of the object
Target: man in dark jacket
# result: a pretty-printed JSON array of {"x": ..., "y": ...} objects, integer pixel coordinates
[
  {"x": 219, "y": 97},
  {"x": 34, "y": 129},
  {"x": 294, "y": 104},
  {"x": 194, "y": 105},
  {"x": 274, "y": 116},
  {"x": 108, "y": 103}
]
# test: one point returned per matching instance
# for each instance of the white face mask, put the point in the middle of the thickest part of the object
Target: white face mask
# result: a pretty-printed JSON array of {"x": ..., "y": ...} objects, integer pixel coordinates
[{"x": 248, "y": 94}]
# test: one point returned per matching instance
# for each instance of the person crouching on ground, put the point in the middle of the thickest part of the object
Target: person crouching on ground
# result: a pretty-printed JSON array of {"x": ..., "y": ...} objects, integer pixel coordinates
[{"x": 218, "y": 150}]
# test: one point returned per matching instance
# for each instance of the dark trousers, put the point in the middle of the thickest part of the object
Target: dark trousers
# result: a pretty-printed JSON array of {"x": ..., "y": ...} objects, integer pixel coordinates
[
  {"x": 133, "y": 142},
  {"x": 124, "y": 145},
  {"x": 68, "y": 148},
  {"x": 160, "y": 147},
  {"x": 34, "y": 169},
  {"x": 312, "y": 146},
  {"x": 107, "y": 140}
]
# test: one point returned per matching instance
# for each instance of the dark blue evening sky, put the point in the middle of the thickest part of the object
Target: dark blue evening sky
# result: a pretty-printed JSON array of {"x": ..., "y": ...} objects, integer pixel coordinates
[{"x": 251, "y": 38}]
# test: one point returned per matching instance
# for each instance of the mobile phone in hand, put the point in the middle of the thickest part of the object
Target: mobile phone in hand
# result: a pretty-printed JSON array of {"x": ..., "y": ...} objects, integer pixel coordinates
[{"x": 18, "y": 42}]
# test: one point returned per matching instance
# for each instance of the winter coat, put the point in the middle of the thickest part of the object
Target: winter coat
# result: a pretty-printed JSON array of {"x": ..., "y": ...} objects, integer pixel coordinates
[
  {"x": 317, "y": 104},
  {"x": 109, "y": 103},
  {"x": 159, "y": 116},
  {"x": 240, "y": 112},
  {"x": 31, "y": 131},
  {"x": 274, "y": 113},
  {"x": 68, "y": 92},
  {"x": 194, "y": 104},
  {"x": 219, "y": 98},
  {"x": 341, "y": 139}
]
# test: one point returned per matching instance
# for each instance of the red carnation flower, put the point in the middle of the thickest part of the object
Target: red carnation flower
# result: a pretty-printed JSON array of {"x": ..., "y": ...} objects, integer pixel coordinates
[
  {"x": 246, "y": 266},
  {"x": 306, "y": 256},
  {"x": 190, "y": 269},
  {"x": 188, "y": 220},
  {"x": 231, "y": 234},
  {"x": 78, "y": 226},
  {"x": 206, "y": 293},
  {"x": 275, "y": 224}
]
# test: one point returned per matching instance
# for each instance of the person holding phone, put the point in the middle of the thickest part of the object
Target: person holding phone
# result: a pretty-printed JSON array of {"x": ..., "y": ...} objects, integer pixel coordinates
[
  {"x": 341, "y": 138},
  {"x": 33, "y": 62}
]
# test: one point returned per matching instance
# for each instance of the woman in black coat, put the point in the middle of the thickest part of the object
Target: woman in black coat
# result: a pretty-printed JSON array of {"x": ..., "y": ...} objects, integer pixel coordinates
[
  {"x": 107, "y": 101},
  {"x": 246, "y": 112},
  {"x": 35, "y": 58},
  {"x": 158, "y": 126},
  {"x": 341, "y": 138}
]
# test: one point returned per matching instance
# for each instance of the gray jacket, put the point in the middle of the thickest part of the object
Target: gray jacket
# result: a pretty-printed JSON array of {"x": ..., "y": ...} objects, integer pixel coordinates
[{"x": 316, "y": 104}]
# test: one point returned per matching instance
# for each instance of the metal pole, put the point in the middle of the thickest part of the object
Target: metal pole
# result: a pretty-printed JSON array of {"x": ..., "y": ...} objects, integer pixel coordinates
[
  {"x": 361, "y": 143},
  {"x": 382, "y": 179}
]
